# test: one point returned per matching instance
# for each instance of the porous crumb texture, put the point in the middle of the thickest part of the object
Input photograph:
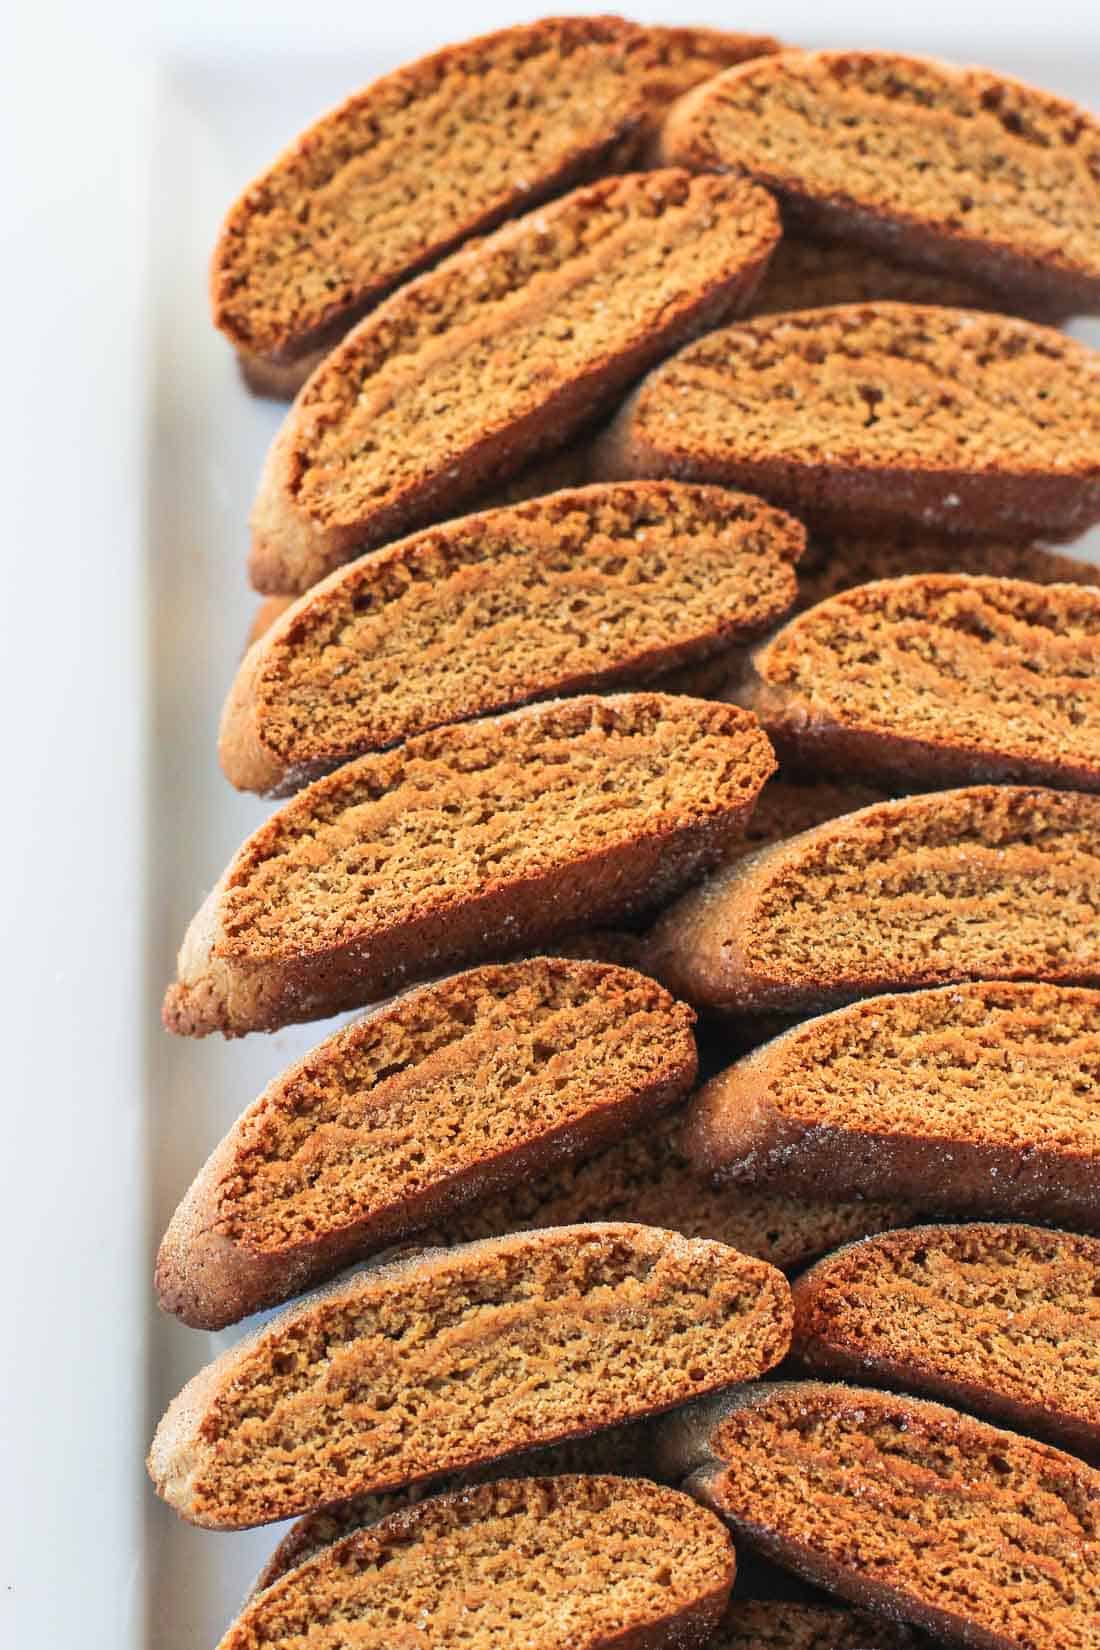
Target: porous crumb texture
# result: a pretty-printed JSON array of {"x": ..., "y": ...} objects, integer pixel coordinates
[
  {"x": 939, "y": 679},
  {"x": 580, "y": 590},
  {"x": 987, "y": 882},
  {"x": 413, "y": 164},
  {"x": 970, "y": 1531},
  {"x": 573, "y": 1563},
  {"x": 437, "y": 1102},
  {"x": 1002, "y": 1319},
  {"x": 788, "y": 806},
  {"x": 806, "y": 274},
  {"x": 645, "y": 1177},
  {"x": 682, "y": 58},
  {"x": 877, "y": 417},
  {"x": 625, "y": 1451},
  {"x": 831, "y": 565},
  {"x": 775, "y": 1624},
  {"x": 959, "y": 169},
  {"x": 455, "y": 1357},
  {"x": 500, "y": 353},
  {"x": 979, "y": 1096},
  {"x": 486, "y": 837}
]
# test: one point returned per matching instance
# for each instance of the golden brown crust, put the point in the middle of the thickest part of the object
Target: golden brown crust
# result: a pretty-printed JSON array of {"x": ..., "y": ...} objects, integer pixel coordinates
[
  {"x": 496, "y": 356},
  {"x": 937, "y": 679},
  {"x": 875, "y": 419},
  {"x": 587, "y": 589},
  {"x": 429, "y": 1107},
  {"x": 489, "y": 837},
  {"x": 1004, "y": 1320},
  {"x": 450, "y": 1358},
  {"x": 960, "y": 170}
]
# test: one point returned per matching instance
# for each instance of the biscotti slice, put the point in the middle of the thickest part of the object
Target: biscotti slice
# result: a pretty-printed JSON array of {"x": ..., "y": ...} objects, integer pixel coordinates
[
  {"x": 470, "y": 841},
  {"x": 570, "y": 1563},
  {"x": 645, "y": 1177},
  {"x": 806, "y": 274},
  {"x": 779, "y": 1624},
  {"x": 624, "y": 1451},
  {"x": 937, "y": 679},
  {"x": 497, "y": 355},
  {"x": 974, "y": 1533},
  {"x": 988, "y": 882},
  {"x": 875, "y": 418},
  {"x": 1001, "y": 1319},
  {"x": 979, "y": 1096},
  {"x": 412, "y": 165},
  {"x": 444, "y": 1098},
  {"x": 832, "y": 564},
  {"x": 960, "y": 170},
  {"x": 584, "y": 589},
  {"x": 448, "y": 1358},
  {"x": 787, "y": 806}
]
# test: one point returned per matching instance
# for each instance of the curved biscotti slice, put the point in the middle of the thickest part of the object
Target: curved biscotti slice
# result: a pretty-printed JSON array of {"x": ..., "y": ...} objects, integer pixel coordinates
[
  {"x": 1001, "y": 1319},
  {"x": 806, "y": 274},
  {"x": 875, "y": 418},
  {"x": 937, "y": 679},
  {"x": 498, "y": 354},
  {"x": 979, "y": 1096},
  {"x": 412, "y": 165},
  {"x": 488, "y": 837},
  {"x": 961, "y": 170},
  {"x": 646, "y": 1178},
  {"x": 449, "y": 1358},
  {"x": 779, "y": 1624},
  {"x": 830, "y": 565},
  {"x": 569, "y": 1563},
  {"x": 444, "y": 1098},
  {"x": 596, "y": 587},
  {"x": 975, "y": 1533},
  {"x": 989, "y": 882}
]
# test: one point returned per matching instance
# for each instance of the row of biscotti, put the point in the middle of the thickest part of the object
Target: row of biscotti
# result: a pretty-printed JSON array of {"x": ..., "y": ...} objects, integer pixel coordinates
[{"x": 963, "y": 175}]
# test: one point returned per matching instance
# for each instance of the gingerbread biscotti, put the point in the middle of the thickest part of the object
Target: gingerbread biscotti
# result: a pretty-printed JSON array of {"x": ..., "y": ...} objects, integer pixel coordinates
[
  {"x": 500, "y": 353},
  {"x": 937, "y": 679},
  {"x": 441, "y": 1100},
  {"x": 986, "y": 882},
  {"x": 977, "y": 1097},
  {"x": 1004, "y": 1320},
  {"x": 606, "y": 1562},
  {"x": 448, "y": 1358},
  {"x": 472, "y": 134},
  {"x": 877, "y": 418},
  {"x": 470, "y": 841},
  {"x": 832, "y": 564},
  {"x": 587, "y": 588},
  {"x": 961, "y": 170},
  {"x": 975, "y": 1533}
]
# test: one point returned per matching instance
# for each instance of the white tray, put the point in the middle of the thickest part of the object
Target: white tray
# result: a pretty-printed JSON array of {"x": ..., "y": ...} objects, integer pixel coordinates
[{"x": 123, "y": 816}]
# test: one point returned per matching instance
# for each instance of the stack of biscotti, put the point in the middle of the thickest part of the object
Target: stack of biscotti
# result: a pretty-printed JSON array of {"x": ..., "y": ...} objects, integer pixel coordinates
[{"x": 691, "y": 745}]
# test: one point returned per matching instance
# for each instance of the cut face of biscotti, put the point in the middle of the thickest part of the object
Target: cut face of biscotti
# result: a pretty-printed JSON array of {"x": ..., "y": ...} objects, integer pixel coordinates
[
  {"x": 805, "y": 274},
  {"x": 486, "y": 838},
  {"x": 876, "y": 418},
  {"x": 583, "y": 589},
  {"x": 444, "y": 1098},
  {"x": 961, "y": 170},
  {"x": 988, "y": 882},
  {"x": 975, "y": 1533},
  {"x": 449, "y": 1358},
  {"x": 498, "y": 354},
  {"x": 979, "y": 1096},
  {"x": 789, "y": 806},
  {"x": 937, "y": 679},
  {"x": 645, "y": 1177},
  {"x": 625, "y": 1451},
  {"x": 471, "y": 134},
  {"x": 830, "y": 565},
  {"x": 1001, "y": 1319},
  {"x": 776, "y": 1624}
]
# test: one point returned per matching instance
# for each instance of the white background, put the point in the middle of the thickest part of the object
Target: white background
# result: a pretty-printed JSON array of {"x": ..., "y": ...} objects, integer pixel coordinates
[{"x": 82, "y": 210}]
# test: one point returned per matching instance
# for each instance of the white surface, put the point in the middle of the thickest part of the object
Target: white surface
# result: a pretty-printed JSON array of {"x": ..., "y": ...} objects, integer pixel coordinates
[{"x": 131, "y": 455}]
